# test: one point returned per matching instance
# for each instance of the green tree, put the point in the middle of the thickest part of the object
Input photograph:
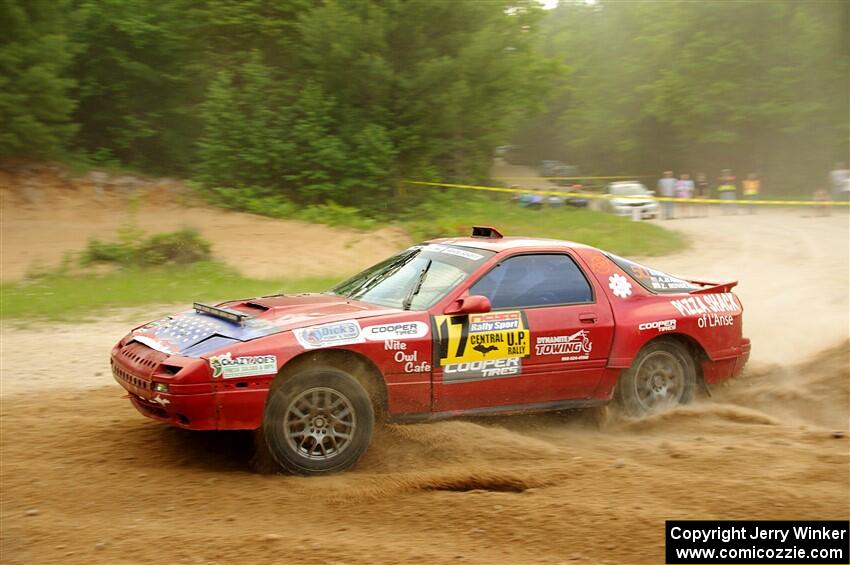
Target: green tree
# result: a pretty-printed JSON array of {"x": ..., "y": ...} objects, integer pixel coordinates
[
  {"x": 245, "y": 140},
  {"x": 137, "y": 93},
  {"x": 35, "y": 53},
  {"x": 756, "y": 86}
]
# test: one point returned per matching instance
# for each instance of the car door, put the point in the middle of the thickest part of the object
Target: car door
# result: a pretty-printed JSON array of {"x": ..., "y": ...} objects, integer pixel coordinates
[{"x": 546, "y": 339}]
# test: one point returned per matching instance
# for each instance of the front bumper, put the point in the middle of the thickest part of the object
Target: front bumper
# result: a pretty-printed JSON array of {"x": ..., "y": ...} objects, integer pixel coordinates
[
  {"x": 189, "y": 406},
  {"x": 192, "y": 400},
  {"x": 646, "y": 211},
  {"x": 189, "y": 411}
]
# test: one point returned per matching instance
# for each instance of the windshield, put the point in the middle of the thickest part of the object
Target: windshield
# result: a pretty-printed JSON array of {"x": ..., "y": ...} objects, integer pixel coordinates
[
  {"x": 416, "y": 278},
  {"x": 629, "y": 190}
]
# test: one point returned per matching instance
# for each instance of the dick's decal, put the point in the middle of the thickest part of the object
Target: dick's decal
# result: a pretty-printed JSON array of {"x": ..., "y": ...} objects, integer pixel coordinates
[
  {"x": 329, "y": 335},
  {"x": 229, "y": 367}
]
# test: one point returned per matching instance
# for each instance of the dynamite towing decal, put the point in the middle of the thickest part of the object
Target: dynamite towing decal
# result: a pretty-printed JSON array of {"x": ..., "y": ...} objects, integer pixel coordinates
[
  {"x": 574, "y": 347},
  {"x": 481, "y": 345},
  {"x": 250, "y": 366}
]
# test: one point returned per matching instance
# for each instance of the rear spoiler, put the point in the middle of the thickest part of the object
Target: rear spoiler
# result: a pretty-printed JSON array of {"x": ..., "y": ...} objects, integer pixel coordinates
[
  {"x": 712, "y": 287},
  {"x": 223, "y": 313}
]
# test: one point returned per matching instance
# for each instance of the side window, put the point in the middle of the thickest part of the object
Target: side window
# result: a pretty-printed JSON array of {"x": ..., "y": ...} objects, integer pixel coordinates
[{"x": 524, "y": 281}]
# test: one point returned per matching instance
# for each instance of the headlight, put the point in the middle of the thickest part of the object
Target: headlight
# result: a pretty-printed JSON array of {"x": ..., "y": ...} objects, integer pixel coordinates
[{"x": 160, "y": 387}]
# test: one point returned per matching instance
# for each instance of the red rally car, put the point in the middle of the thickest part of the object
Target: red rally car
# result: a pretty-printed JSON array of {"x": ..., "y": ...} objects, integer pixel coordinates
[{"x": 452, "y": 327}]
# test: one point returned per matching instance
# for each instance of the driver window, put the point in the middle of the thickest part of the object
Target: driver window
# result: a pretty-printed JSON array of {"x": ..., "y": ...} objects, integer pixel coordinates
[{"x": 525, "y": 281}]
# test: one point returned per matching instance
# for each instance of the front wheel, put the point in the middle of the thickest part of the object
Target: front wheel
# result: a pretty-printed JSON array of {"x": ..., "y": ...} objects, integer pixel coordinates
[
  {"x": 662, "y": 376},
  {"x": 319, "y": 421}
]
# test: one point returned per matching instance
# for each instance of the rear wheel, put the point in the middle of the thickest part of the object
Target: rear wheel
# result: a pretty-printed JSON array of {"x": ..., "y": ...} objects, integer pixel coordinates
[
  {"x": 319, "y": 421},
  {"x": 662, "y": 376}
]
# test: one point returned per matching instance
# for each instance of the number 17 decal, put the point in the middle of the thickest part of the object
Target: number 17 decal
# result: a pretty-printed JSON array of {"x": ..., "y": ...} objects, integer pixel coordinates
[{"x": 479, "y": 337}]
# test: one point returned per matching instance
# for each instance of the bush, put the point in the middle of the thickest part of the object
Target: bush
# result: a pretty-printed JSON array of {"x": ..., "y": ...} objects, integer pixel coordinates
[
  {"x": 184, "y": 246},
  {"x": 133, "y": 249},
  {"x": 259, "y": 201},
  {"x": 333, "y": 214}
]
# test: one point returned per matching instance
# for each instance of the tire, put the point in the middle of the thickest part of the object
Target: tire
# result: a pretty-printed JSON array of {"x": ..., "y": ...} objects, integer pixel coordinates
[
  {"x": 662, "y": 376},
  {"x": 319, "y": 421}
]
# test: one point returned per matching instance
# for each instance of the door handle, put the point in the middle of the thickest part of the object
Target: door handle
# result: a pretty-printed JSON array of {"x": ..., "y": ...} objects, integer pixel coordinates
[{"x": 588, "y": 318}]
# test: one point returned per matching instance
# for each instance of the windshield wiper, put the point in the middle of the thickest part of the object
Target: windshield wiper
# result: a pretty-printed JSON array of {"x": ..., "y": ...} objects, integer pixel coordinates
[
  {"x": 368, "y": 283},
  {"x": 414, "y": 290}
]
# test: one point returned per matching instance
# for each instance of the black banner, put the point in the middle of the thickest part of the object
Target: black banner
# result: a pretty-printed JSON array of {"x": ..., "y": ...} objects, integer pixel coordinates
[{"x": 757, "y": 541}]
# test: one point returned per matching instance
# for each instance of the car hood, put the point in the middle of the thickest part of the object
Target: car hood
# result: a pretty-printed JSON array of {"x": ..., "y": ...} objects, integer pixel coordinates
[{"x": 192, "y": 333}]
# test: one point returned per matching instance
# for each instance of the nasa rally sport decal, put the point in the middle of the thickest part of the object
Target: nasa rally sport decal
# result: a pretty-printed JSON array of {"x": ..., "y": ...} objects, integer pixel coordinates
[{"x": 480, "y": 346}]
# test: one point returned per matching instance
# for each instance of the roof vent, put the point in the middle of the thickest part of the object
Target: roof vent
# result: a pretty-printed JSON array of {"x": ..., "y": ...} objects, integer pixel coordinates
[{"x": 486, "y": 231}]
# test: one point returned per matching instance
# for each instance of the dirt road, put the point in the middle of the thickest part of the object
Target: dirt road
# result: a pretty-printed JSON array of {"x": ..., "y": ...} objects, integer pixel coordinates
[
  {"x": 37, "y": 233},
  {"x": 85, "y": 479}
]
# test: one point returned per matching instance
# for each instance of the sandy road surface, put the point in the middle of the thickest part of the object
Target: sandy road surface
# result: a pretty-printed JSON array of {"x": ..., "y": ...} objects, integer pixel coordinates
[
  {"x": 792, "y": 272},
  {"x": 85, "y": 479}
]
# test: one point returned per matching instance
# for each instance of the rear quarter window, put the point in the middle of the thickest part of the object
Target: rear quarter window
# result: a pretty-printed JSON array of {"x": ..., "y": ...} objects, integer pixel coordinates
[{"x": 653, "y": 280}]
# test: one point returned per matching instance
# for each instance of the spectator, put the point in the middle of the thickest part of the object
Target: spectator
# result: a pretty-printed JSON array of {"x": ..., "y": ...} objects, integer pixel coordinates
[
  {"x": 703, "y": 190},
  {"x": 536, "y": 200},
  {"x": 516, "y": 197},
  {"x": 667, "y": 188},
  {"x": 750, "y": 187},
  {"x": 822, "y": 196},
  {"x": 726, "y": 190},
  {"x": 839, "y": 180},
  {"x": 685, "y": 191}
]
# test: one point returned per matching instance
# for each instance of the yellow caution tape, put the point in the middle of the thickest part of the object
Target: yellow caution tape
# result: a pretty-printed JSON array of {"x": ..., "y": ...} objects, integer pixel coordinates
[
  {"x": 653, "y": 197},
  {"x": 577, "y": 178}
]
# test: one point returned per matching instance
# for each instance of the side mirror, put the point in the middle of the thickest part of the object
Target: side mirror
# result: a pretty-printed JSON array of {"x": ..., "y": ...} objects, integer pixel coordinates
[{"x": 473, "y": 304}]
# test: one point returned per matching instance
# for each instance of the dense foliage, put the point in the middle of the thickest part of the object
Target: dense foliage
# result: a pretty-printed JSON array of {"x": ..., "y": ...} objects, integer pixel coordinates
[
  {"x": 699, "y": 86},
  {"x": 35, "y": 100},
  {"x": 311, "y": 101},
  {"x": 307, "y": 103}
]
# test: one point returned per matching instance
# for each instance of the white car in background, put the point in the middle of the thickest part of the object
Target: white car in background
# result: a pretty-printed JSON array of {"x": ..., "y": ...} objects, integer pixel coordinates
[{"x": 628, "y": 196}]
